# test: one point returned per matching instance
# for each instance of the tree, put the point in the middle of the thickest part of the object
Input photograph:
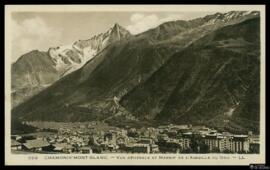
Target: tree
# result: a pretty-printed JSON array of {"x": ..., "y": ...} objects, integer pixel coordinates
[
  {"x": 187, "y": 150},
  {"x": 215, "y": 150},
  {"x": 204, "y": 148},
  {"x": 17, "y": 127},
  {"x": 227, "y": 151},
  {"x": 254, "y": 149},
  {"x": 196, "y": 143}
]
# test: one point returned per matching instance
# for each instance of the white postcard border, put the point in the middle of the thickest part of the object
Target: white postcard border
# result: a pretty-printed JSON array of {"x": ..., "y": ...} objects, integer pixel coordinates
[{"x": 111, "y": 159}]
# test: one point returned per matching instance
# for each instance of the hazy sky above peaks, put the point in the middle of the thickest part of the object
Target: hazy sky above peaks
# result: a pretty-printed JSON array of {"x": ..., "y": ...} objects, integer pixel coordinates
[{"x": 41, "y": 30}]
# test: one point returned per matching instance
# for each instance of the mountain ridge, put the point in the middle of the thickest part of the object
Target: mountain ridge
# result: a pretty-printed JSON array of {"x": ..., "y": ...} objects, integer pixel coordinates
[
  {"x": 148, "y": 98},
  {"x": 58, "y": 61},
  {"x": 92, "y": 92}
]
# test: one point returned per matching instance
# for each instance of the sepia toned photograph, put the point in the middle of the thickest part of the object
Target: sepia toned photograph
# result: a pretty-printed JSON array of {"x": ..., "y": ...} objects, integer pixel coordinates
[{"x": 125, "y": 84}]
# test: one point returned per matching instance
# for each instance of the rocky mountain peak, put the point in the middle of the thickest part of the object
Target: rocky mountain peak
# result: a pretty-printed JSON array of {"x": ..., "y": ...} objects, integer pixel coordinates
[
  {"x": 116, "y": 25},
  {"x": 118, "y": 32},
  {"x": 230, "y": 16}
]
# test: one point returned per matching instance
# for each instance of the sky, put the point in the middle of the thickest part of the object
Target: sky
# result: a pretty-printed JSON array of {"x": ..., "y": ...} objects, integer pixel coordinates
[{"x": 42, "y": 30}]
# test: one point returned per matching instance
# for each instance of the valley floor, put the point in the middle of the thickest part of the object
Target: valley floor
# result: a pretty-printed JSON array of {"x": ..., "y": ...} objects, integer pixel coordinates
[{"x": 98, "y": 137}]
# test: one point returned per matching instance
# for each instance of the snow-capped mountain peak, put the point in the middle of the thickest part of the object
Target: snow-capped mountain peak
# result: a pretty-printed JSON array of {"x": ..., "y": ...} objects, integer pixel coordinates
[
  {"x": 230, "y": 16},
  {"x": 70, "y": 57}
]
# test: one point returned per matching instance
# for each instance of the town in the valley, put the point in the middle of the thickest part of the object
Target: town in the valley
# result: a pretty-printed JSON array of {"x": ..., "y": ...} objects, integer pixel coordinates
[{"x": 91, "y": 137}]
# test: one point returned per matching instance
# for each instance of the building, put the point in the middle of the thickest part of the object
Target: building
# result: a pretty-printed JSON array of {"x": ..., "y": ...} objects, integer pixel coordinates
[
  {"x": 212, "y": 141},
  {"x": 233, "y": 143},
  {"x": 186, "y": 139},
  {"x": 177, "y": 127},
  {"x": 254, "y": 139},
  {"x": 145, "y": 140},
  {"x": 110, "y": 136},
  {"x": 16, "y": 137},
  {"x": 172, "y": 133},
  {"x": 25, "y": 138},
  {"x": 203, "y": 131},
  {"x": 254, "y": 144},
  {"x": 225, "y": 143},
  {"x": 169, "y": 145},
  {"x": 63, "y": 148},
  {"x": 154, "y": 148},
  {"x": 36, "y": 145},
  {"x": 216, "y": 141},
  {"x": 15, "y": 145},
  {"x": 163, "y": 129},
  {"x": 240, "y": 143},
  {"x": 138, "y": 148},
  {"x": 163, "y": 137},
  {"x": 86, "y": 149},
  {"x": 173, "y": 146}
]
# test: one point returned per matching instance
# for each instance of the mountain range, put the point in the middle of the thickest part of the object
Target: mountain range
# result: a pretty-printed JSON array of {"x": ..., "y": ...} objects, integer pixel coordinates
[
  {"x": 201, "y": 71},
  {"x": 37, "y": 70}
]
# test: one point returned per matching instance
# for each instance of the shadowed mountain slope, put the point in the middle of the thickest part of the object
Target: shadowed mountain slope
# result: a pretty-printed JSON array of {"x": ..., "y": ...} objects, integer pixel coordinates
[
  {"x": 216, "y": 75},
  {"x": 179, "y": 72}
]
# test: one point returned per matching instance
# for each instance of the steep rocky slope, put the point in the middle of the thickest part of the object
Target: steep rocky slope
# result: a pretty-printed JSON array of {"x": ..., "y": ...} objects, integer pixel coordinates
[
  {"x": 36, "y": 70},
  {"x": 217, "y": 75},
  {"x": 199, "y": 71}
]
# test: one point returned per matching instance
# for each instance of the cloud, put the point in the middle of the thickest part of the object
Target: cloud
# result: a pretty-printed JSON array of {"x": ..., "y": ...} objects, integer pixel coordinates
[
  {"x": 31, "y": 34},
  {"x": 136, "y": 17},
  {"x": 141, "y": 22}
]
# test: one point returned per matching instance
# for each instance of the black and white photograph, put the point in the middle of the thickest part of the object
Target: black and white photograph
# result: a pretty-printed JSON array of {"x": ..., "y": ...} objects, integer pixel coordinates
[{"x": 129, "y": 84}]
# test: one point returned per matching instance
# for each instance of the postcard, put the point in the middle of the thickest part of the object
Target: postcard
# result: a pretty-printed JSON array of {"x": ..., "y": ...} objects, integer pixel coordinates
[{"x": 134, "y": 84}]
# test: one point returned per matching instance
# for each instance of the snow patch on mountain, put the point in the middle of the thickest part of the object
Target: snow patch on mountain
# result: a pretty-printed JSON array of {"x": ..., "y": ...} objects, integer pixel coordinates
[
  {"x": 68, "y": 58},
  {"x": 229, "y": 17}
]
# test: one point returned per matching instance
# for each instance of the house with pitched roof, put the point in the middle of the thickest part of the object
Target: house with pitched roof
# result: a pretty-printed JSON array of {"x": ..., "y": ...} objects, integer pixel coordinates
[
  {"x": 15, "y": 145},
  {"x": 37, "y": 145}
]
